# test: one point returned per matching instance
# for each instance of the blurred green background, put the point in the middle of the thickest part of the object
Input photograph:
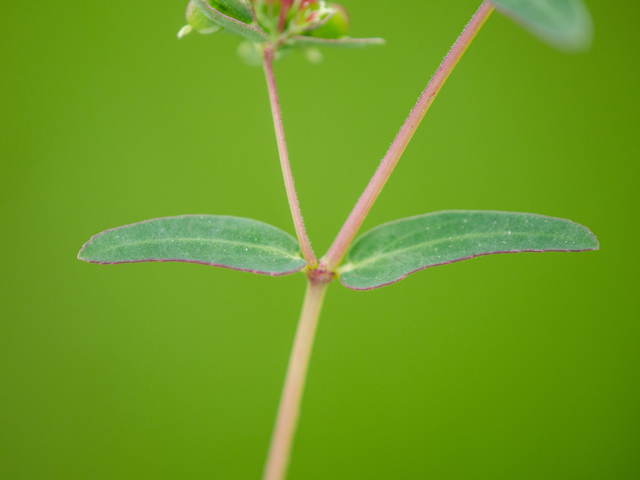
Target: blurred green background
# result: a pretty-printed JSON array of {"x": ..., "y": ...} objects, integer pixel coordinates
[{"x": 509, "y": 366}]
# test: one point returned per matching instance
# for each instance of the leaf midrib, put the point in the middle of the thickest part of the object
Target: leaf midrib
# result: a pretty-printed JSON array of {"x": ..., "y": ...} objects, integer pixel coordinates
[
  {"x": 375, "y": 258},
  {"x": 208, "y": 240}
]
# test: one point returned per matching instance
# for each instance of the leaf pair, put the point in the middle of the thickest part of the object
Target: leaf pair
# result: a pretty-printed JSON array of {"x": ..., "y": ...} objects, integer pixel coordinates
[{"x": 380, "y": 257}]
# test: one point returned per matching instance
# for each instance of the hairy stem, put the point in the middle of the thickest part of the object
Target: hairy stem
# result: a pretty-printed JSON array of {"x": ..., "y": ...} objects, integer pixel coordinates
[
  {"x": 360, "y": 211},
  {"x": 301, "y": 233},
  {"x": 289, "y": 409}
]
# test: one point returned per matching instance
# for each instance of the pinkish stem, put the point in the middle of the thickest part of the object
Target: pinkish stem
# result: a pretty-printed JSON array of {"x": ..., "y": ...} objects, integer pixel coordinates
[
  {"x": 360, "y": 211},
  {"x": 305, "y": 245},
  {"x": 289, "y": 409}
]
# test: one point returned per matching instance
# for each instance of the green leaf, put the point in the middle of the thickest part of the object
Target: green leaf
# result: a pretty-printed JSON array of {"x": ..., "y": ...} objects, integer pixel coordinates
[
  {"x": 564, "y": 24},
  {"x": 249, "y": 32},
  {"x": 345, "y": 42},
  {"x": 231, "y": 242},
  {"x": 392, "y": 251},
  {"x": 240, "y": 9}
]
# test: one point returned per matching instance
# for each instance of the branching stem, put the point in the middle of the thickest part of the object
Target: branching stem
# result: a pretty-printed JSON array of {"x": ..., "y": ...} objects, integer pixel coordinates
[
  {"x": 289, "y": 409},
  {"x": 298, "y": 222},
  {"x": 360, "y": 211},
  {"x": 319, "y": 278}
]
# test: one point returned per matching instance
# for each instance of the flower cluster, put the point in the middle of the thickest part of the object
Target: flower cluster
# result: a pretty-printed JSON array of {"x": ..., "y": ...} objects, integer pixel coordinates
[
  {"x": 277, "y": 18},
  {"x": 281, "y": 24}
]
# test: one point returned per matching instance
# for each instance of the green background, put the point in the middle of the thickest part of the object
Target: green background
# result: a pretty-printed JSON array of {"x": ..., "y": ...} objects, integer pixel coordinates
[{"x": 508, "y": 366}]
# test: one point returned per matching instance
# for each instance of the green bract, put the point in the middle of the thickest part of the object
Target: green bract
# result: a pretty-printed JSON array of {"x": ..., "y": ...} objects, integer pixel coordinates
[
  {"x": 198, "y": 21},
  {"x": 230, "y": 23}
]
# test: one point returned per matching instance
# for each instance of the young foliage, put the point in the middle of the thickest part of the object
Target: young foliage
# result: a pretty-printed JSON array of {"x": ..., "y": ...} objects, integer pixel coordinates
[
  {"x": 238, "y": 8},
  {"x": 236, "y": 26},
  {"x": 220, "y": 241},
  {"x": 390, "y": 252},
  {"x": 564, "y": 24}
]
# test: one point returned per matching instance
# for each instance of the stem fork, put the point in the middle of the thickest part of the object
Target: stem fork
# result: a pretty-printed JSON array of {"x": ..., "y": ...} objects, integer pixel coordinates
[{"x": 382, "y": 174}]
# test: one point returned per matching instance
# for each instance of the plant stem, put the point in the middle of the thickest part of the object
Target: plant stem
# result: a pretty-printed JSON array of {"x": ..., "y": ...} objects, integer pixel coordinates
[
  {"x": 305, "y": 245},
  {"x": 289, "y": 409},
  {"x": 360, "y": 211}
]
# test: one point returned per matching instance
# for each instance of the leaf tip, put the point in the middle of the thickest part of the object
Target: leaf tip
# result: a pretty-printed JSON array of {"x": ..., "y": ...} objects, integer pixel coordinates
[
  {"x": 184, "y": 31},
  {"x": 565, "y": 25},
  {"x": 81, "y": 252},
  {"x": 596, "y": 243}
]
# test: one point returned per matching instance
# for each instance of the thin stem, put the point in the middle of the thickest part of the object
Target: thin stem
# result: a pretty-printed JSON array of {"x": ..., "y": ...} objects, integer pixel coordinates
[
  {"x": 305, "y": 245},
  {"x": 289, "y": 409},
  {"x": 360, "y": 211}
]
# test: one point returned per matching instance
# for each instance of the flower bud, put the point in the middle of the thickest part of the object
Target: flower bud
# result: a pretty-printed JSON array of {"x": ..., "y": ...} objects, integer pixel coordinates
[{"x": 336, "y": 27}]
